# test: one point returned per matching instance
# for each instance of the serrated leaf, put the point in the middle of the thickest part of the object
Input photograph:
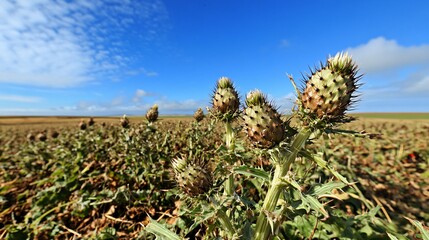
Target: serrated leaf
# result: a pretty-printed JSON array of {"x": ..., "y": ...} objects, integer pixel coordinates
[
  {"x": 314, "y": 204},
  {"x": 323, "y": 164},
  {"x": 161, "y": 231},
  {"x": 291, "y": 182},
  {"x": 327, "y": 188},
  {"x": 254, "y": 172},
  {"x": 339, "y": 176}
]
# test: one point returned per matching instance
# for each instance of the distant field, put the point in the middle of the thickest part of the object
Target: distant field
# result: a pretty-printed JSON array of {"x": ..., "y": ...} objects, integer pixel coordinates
[
  {"x": 29, "y": 122},
  {"x": 410, "y": 116},
  {"x": 60, "y": 121}
]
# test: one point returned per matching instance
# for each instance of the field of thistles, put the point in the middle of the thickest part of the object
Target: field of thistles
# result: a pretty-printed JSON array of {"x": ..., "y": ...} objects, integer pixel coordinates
[{"x": 240, "y": 170}]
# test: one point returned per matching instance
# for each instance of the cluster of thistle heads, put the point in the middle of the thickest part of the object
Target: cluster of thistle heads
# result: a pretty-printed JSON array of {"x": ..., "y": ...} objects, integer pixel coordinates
[
  {"x": 327, "y": 94},
  {"x": 42, "y": 135}
]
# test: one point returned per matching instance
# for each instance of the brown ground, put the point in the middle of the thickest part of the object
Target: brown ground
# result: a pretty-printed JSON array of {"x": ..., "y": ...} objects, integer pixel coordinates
[{"x": 42, "y": 123}]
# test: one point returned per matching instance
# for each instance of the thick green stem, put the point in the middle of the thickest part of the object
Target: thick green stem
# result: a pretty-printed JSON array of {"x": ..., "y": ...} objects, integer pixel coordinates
[
  {"x": 229, "y": 136},
  {"x": 263, "y": 229},
  {"x": 230, "y": 144},
  {"x": 229, "y": 185}
]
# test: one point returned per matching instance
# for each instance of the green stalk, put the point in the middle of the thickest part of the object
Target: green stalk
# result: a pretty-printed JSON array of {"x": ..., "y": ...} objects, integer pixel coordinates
[
  {"x": 230, "y": 144},
  {"x": 263, "y": 230},
  {"x": 229, "y": 185},
  {"x": 229, "y": 136}
]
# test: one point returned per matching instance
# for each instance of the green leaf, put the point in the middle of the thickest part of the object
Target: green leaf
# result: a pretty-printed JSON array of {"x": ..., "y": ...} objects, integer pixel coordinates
[
  {"x": 392, "y": 237},
  {"x": 418, "y": 225},
  {"x": 314, "y": 204},
  {"x": 327, "y": 188},
  {"x": 254, "y": 172},
  {"x": 161, "y": 231},
  {"x": 339, "y": 176},
  {"x": 323, "y": 164}
]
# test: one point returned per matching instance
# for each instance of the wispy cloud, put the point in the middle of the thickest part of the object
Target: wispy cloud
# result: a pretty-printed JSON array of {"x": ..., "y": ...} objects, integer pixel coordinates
[
  {"x": 54, "y": 43},
  {"x": 285, "y": 103},
  {"x": 142, "y": 71},
  {"x": 115, "y": 106},
  {"x": 139, "y": 95},
  {"x": 406, "y": 67},
  {"x": 17, "y": 98},
  {"x": 380, "y": 54}
]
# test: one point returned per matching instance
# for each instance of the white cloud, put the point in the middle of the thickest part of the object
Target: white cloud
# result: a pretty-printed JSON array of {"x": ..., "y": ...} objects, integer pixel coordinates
[
  {"x": 380, "y": 54},
  {"x": 285, "y": 103},
  {"x": 187, "y": 106},
  {"x": 17, "y": 98},
  {"x": 143, "y": 71},
  {"x": 116, "y": 106},
  {"x": 53, "y": 43},
  {"x": 421, "y": 85},
  {"x": 404, "y": 67},
  {"x": 139, "y": 95}
]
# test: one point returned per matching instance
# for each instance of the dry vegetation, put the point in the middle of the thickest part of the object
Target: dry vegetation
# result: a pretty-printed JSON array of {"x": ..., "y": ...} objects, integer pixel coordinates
[{"x": 106, "y": 181}]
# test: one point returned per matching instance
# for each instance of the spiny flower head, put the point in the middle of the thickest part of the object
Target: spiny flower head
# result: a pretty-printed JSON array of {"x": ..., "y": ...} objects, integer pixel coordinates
[
  {"x": 225, "y": 100},
  {"x": 329, "y": 90},
  {"x": 42, "y": 136},
  {"x": 263, "y": 123},
  {"x": 152, "y": 113},
  {"x": 193, "y": 176},
  {"x": 31, "y": 137},
  {"x": 199, "y": 115},
  {"x": 91, "y": 121},
  {"x": 125, "y": 123},
  {"x": 82, "y": 124}
]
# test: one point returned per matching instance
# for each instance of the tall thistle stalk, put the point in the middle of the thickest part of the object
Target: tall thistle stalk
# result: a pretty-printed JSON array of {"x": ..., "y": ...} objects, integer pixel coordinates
[
  {"x": 326, "y": 97},
  {"x": 322, "y": 103},
  {"x": 283, "y": 163},
  {"x": 225, "y": 107}
]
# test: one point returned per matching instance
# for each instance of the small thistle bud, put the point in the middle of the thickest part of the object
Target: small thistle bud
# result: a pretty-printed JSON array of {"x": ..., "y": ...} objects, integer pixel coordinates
[
  {"x": 31, "y": 137},
  {"x": 329, "y": 91},
  {"x": 194, "y": 177},
  {"x": 41, "y": 136},
  {"x": 264, "y": 126},
  {"x": 54, "y": 134},
  {"x": 91, "y": 122},
  {"x": 82, "y": 125},
  {"x": 152, "y": 113},
  {"x": 125, "y": 123},
  {"x": 225, "y": 100},
  {"x": 199, "y": 115}
]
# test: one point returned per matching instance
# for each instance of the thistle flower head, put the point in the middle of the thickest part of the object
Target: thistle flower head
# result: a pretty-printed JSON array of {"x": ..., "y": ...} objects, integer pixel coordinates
[
  {"x": 30, "y": 137},
  {"x": 54, "y": 134},
  {"x": 329, "y": 90},
  {"x": 125, "y": 123},
  {"x": 225, "y": 100},
  {"x": 82, "y": 124},
  {"x": 263, "y": 123},
  {"x": 342, "y": 63},
  {"x": 194, "y": 177},
  {"x": 42, "y": 136},
  {"x": 152, "y": 113},
  {"x": 91, "y": 121},
  {"x": 199, "y": 115},
  {"x": 256, "y": 98}
]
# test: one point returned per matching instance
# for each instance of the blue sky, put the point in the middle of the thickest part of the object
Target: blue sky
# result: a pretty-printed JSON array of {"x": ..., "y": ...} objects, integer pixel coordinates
[{"x": 114, "y": 57}]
